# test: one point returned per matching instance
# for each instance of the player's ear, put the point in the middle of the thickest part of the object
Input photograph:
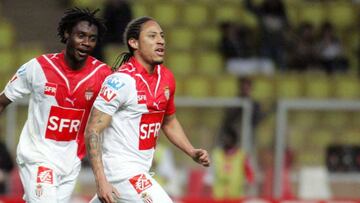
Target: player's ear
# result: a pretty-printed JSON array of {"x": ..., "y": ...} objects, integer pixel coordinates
[{"x": 133, "y": 43}]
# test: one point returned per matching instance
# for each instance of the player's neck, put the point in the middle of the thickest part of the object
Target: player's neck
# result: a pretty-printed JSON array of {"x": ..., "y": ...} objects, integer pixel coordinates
[
  {"x": 148, "y": 67},
  {"x": 72, "y": 63}
]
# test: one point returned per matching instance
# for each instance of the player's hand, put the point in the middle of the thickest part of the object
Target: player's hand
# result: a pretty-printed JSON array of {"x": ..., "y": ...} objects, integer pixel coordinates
[
  {"x": 107, "y": 193},
  {"x": 201, "y": 156}
]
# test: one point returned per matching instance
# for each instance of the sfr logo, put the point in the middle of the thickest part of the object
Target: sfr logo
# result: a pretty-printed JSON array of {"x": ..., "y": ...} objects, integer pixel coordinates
[
  {"x": 149, "y": 130},
  {"x": 63, "y": 123},
  {"x": 50, "y": 89},
  {"x": 56, "y": 123},
  {"x": 150, "y": 125},
  {"x": 141, "y": 97}
]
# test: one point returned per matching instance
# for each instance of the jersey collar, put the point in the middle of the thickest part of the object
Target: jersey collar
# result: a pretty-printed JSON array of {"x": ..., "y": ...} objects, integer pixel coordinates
[
  {"x": 66, "y": 67},
  {"x": 141, "y": 69}
]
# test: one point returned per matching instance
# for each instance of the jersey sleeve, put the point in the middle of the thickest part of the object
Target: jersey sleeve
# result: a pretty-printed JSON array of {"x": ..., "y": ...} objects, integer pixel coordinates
[
  {"x": 20, "y": 84},
  {"x": 114, "y": 93},
  {"x": 171, "y": 109}
]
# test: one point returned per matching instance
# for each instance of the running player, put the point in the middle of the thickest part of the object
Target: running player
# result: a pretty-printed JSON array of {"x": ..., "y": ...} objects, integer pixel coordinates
[
  {"x": 133, "y": 105},
  {"x": 62, "y": 88}
]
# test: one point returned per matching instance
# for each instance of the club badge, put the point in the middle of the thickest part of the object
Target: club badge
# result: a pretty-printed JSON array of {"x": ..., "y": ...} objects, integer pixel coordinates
[
  {"x": 167, "y": 92},
  {"x": 39, "y": 190},
  {"x": 89, "y": 93}
]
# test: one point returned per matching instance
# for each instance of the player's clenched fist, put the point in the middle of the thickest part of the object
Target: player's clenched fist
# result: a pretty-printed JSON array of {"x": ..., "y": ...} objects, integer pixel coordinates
[{"x": 201, "y": 156}]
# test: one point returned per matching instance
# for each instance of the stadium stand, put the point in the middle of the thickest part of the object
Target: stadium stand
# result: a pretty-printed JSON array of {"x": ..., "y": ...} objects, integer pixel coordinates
[{"x": 193, "y": 35}]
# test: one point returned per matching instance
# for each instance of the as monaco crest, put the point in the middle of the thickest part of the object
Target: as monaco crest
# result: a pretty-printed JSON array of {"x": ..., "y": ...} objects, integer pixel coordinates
[
  {"x": 89, "y": 93},
  {"x": 167, "y": 92}
]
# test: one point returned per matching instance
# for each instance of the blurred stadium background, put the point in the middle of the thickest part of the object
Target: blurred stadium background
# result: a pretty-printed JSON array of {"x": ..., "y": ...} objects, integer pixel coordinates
[{"x": 313, "y": 114}]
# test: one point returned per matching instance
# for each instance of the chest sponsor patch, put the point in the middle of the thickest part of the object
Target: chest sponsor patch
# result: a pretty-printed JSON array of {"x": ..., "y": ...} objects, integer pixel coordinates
[
  {"x": 150, "y": 125},
  {"x": 63, "y": 123},
  {"x": 140, "y": 183},
  {"x": 45, "y": 175},
  {"x": 107, "y": 93},
  {"x": 50, "y": 89}
]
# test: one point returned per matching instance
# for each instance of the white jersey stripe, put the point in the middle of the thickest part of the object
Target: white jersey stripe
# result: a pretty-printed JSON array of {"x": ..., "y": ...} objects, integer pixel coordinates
[
  {"x": 158, "y": 81},
  {"x": 66, "y": 80},
  {"x": 133, "y": 68},
  {"x": 147, "y": 85},
  {"x": 87, "y": 77},
  {"x": 57, "y": 70}
]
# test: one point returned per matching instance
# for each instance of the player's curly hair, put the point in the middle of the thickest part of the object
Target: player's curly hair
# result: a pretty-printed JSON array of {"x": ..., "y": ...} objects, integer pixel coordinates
[
  {"x": 74, "y": 15},
  {"x": 132, "y": 31}
]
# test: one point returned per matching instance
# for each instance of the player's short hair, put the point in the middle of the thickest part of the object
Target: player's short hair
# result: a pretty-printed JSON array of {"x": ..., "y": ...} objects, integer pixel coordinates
[
  {"x": 73, "y": 16},
  {"x": 132, "y": 31}
]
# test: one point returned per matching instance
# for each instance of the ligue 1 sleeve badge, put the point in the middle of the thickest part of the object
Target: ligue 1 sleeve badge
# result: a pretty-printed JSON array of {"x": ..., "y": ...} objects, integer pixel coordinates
[
  {"x": 89, "y": 93},
  {"x": 167, "y": 92}
]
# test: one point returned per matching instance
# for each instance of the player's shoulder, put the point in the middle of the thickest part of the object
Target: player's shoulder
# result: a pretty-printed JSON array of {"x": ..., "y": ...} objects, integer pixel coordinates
[
  {"x": 166, "y": 72},
  {"x": 95, "y": 63},
  {"x": 97, "y": 68},
  {"x": 31, "y": 63},
  {"x": 48, "y": 59},
  {"x": 127, "y": 68},
  {"x": 48, "y": 56},
  {"x": 118, "y": 80}
]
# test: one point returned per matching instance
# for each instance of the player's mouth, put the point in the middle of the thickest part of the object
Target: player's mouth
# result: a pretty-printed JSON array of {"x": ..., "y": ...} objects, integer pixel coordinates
[
  {"x": 160, "y": 51},
  {"x": 82, "y": 53}
]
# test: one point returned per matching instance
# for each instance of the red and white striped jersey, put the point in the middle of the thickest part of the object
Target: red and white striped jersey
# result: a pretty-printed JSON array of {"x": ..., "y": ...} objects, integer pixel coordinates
[
  {"x": 59, "y": 106},
  {"x": 137, "y": 102}
]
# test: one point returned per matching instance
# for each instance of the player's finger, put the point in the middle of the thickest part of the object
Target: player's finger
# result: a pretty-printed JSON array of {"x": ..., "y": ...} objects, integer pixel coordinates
[
  {"x": 198, "y": 152},
  {"x": 109, "y": 198},
  {"x": 116, "y": 193},
  {"x": 103, "y": 200},
  {"x": 205, "y": 161},
  {"x": 203, "y": 156},
  {"x": 206, "y": 164}
]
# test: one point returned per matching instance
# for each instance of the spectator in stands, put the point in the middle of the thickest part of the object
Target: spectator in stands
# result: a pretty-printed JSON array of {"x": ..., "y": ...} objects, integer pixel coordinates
[
  {"x": 233, "y": 115},
  {"x": 117, "y": 13},
  {"x": 238, "y": 49},
  {"x": 302, "y": 49},
  {"x": 273, "y": 23},
  {"x": 6, "y": 166},
  {"x": 231, "y": 168},
  {"x": 235, "y": 41},
  {"x": 331, "y": 51}
]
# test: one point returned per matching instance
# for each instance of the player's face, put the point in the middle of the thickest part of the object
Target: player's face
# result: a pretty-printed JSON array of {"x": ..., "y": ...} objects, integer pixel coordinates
[
  {"x": 151, "y": 43},
  {"x": 81, "y": 41}
]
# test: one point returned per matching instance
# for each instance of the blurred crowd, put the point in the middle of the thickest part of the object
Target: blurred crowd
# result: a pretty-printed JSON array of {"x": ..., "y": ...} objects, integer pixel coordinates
[{"x": 280, "y": 45}]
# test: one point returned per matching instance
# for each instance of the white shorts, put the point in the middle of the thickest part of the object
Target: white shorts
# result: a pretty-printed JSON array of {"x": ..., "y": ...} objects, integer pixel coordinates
[
  {"x": 42, "y": 184},
  {"x": 141, "y": 188}
]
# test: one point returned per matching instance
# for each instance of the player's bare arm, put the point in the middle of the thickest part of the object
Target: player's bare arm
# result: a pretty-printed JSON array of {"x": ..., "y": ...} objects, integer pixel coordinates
[
  {"x": 4, "y": 101},
  {"x": 175, "y": 133},
  {"x": 98, "y": 121}
]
